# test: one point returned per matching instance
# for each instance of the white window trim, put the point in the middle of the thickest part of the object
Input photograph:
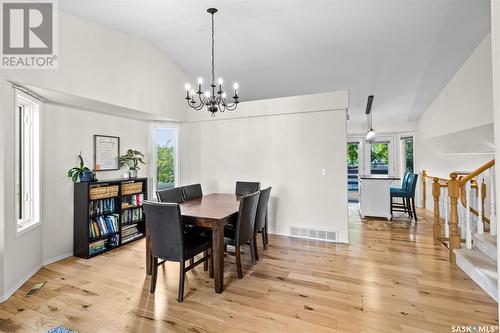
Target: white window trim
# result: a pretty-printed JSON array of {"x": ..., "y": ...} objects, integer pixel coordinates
[
  {"x": 22, "y": 227},
  {"x": 152, "y": 138}
]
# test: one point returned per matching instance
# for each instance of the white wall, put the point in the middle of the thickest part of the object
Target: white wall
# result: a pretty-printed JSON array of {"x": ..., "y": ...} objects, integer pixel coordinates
[
  {"x": 59, "y": 124},
  {"x": 105, "y": 65},
  {"x": 495, "y": 37},
  {"x": 285, "y": 143},
  {"x": 98, "y": 64},
  {"x": 455, "y": 133}
]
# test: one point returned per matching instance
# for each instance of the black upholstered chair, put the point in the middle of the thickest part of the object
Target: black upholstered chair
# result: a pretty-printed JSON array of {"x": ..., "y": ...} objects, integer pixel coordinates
[
  {"x": 261, "y": 219},
  {"x": 244, "y": 188},
  {"x": 191, "y": 192},
  {"x": 172, "y": 195},
  {"x": 408, "y": 197},
  {"x": 169, "y": 241},
  {"x": 244, "y": 229}
]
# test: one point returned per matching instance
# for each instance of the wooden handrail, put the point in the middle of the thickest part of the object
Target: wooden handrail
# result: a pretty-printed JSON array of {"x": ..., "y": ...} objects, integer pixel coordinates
[{"x": 477, "y": 172}]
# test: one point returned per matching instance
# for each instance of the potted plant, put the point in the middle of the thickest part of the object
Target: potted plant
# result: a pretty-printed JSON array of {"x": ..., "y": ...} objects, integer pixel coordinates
[
  {"x": 81, "y": 173},
  {"x": 132, "y": 159}
]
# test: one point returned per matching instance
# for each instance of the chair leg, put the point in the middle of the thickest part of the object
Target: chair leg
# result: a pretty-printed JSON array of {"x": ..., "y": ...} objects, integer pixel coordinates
[
  {"x": 255, "y": 245},
  {"x": 238, "y": 261},
  {"x": 413, "y": 208},
  {"x": 205, "y": 263},
  {"x": 266, "y": 244},
  {"x": 252, "y": 252},
  {"x": 154, "y": 275},
  {"x": 408, "y": 204},
  {"x": 182, "y": 275},
  {"x": 191, "y": 261},
  {"x": 211, "y": 265}
]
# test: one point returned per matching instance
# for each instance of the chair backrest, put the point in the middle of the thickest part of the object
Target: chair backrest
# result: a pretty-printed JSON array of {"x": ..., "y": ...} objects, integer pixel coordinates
[
  {"x": 405, "y": 181},
  {"x": 165, "y": 229},
  {"x": 192, "y": 191},
  {"x": 174, "y": 195},
  {"x": 244, "y": 188},
  {"x": 261, "y": 216},
  {"x": 412, "y": 184},
  {"x": 245, "y": 223}
]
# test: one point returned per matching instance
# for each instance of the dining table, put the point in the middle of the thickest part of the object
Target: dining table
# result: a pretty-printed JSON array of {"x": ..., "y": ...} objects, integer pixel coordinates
[{"x": 212, "y": 211}]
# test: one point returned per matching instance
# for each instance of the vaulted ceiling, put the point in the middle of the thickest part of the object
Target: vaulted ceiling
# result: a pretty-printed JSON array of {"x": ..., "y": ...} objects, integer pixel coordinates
[{"x": 402, "y": 51}]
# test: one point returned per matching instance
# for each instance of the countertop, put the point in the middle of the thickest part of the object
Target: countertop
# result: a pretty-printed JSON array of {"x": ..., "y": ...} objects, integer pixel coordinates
[{"x": 378, "y": 177}]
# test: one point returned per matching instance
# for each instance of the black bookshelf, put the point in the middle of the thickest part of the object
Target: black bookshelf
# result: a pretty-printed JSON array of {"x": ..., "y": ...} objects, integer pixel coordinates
[{"x": 122, "y": 203}]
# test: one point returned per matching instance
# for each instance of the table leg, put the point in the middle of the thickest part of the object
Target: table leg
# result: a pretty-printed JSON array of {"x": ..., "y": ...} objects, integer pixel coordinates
[
  {"x": 218, "y": 253},
  {"x": 149, "y": 266}
]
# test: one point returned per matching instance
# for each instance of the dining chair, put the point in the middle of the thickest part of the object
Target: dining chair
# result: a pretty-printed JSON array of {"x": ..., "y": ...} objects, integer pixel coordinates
[
  {"x": 191, "y": 192},
  {"x": 172, "y": 195},
  {"x": 169, "y": 241},
  {"x": 395, "y": 192},
  {"x": 261, "y": 220},
  {"x": 244, "y": 188},
  {"x": 404, "y": 182},
  {"x": 408, "y": 197},
  {"x": 243, "y": 233}
]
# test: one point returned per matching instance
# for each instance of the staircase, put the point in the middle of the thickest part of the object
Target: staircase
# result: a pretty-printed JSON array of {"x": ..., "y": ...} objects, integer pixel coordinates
[
  {"x": 480, "y": 263},
  {"x": 465, "y": 222}
]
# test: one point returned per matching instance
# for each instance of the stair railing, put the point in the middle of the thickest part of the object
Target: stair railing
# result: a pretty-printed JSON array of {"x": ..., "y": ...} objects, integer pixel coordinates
[{"x": 460, "y": 204}]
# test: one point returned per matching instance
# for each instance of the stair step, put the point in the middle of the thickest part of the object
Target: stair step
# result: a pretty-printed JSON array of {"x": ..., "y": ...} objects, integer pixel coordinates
[
  {"x": 480, "y": 268},
  {"x": 487, "y": 244}
]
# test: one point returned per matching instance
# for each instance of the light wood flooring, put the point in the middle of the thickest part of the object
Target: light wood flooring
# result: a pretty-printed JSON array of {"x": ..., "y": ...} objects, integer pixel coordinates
[{"x": 391, "y": 278}]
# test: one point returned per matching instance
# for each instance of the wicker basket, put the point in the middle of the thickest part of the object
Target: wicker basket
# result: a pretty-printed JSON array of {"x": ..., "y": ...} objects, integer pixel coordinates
[
  {"x": 103, "y": 192},
  {"x": 131, "y": 188}
]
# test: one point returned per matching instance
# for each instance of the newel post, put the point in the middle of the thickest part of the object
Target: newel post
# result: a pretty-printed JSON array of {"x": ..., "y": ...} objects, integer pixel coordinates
[
  {"x": 436, "y": 192},
  {"x": 424, "y": 188},
  {"x": 453, "y": 193}
]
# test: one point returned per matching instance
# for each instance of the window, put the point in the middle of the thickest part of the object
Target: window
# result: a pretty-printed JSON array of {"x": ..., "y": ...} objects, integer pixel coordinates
[
  {"x": 379, "y": 158},
  {"x": 407, "y": 153},
  {"x": 352, "y": 170},
  {"x": 27, "y": 162},
  {"x": 165, "y": 159}
]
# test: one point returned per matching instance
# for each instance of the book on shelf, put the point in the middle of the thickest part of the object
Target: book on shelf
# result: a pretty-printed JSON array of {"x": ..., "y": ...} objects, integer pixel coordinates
[
  {"x": 102, "y": 206},
  {"x": 101, "y": 226},
  {"x": 132, "y": 215},
  {"x": 132, "y": 237},
  {"x": 134, "y": 200}
]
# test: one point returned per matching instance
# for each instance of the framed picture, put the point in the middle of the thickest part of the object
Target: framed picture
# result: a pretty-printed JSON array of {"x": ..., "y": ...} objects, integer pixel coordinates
[{"x": 106, "y": 152}]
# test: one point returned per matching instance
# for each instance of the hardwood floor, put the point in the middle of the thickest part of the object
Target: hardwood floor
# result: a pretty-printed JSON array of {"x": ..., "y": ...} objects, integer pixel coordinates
[{"x": 391, "y": 278}]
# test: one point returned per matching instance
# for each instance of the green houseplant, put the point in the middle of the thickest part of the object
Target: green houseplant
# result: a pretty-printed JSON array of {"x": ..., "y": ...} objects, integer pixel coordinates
[
  {"x": 81, "y": 172},
  {"x": 132, "y": 159}
]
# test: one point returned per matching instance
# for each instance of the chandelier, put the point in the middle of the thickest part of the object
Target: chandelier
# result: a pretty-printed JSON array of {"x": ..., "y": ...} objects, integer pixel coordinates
[{"x": 213, "y": 100}]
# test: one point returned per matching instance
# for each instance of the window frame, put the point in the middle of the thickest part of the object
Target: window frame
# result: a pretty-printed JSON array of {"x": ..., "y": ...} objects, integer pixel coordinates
[
  {"x": 31, "y": 177},
  {"x": 158, "y": 125}
]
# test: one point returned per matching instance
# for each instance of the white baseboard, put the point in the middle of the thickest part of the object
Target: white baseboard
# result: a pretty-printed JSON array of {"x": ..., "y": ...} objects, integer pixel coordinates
[
  {"x": 61, "y": 257},
  {"x": 11, "y": 292}
]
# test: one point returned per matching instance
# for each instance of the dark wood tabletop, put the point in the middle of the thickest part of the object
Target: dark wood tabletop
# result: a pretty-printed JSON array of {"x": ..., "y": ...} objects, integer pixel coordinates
[{"x": 217, "y": 206}]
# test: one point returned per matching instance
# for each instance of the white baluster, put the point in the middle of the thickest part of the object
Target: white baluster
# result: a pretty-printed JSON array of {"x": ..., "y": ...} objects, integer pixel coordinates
[
  {"x": 446, "y": 209},
  {"x": 461, "y": 219},
  {"x": 493, "y": 213},
  {"x": 468, "y": 229},
  {"x": 480, "y": 226}
]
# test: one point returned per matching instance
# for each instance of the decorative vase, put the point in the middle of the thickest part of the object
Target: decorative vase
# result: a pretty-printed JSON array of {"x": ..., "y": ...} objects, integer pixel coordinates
[
  {"x": 86, "y": 176},
  {"x": 132, "y": 174}
]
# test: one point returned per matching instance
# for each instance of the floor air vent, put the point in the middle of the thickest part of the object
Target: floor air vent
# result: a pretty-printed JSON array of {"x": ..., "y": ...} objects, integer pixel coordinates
[{"x": 315, "y": 234}]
